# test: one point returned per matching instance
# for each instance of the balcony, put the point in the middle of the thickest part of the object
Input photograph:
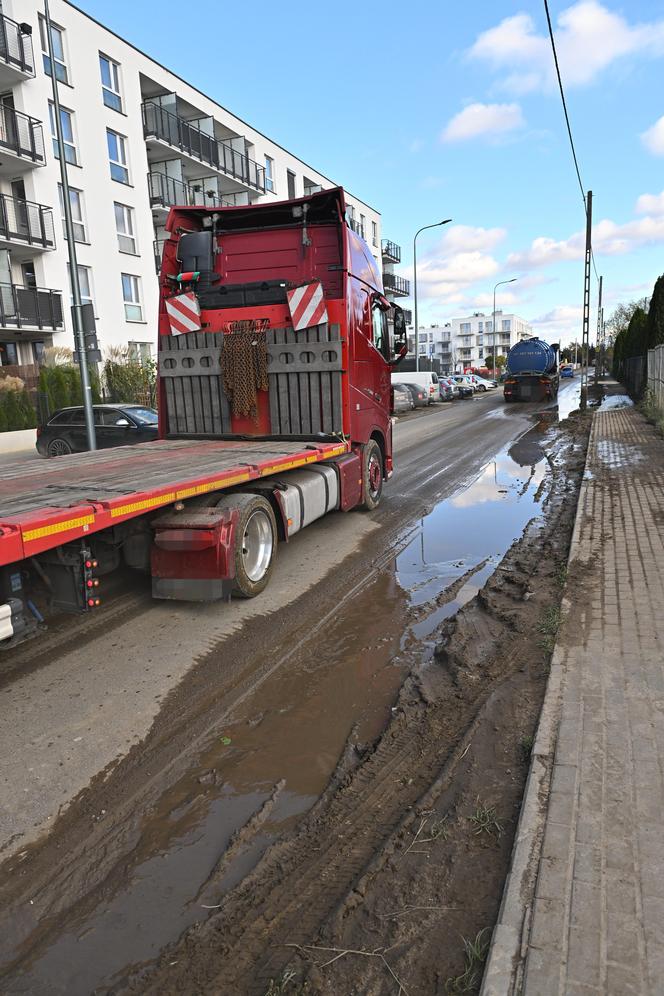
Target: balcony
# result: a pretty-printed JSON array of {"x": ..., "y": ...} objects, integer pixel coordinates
[
  {"x": 30, "y": 308},
  {"x": 166, "y": 192},
  {"x": 391, "y": 252},
  {"x": 396, "y": 285},
  {"x": 24, "y": 224},
  {"x": 22, "y": 141},
  {"x": 16, "y": 61},
  {"x": 164, "y": 127}
]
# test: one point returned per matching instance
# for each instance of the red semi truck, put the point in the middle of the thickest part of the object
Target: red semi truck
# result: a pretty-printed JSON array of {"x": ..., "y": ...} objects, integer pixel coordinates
[{"x": 274, "y": 358}]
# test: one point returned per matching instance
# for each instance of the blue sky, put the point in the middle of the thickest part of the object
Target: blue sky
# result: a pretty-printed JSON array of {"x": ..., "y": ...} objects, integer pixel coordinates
[{"x": 440, "y": 109}]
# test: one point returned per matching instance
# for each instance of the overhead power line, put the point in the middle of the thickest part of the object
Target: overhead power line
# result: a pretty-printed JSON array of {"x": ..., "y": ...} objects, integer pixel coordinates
[{"x": 567, "y": 121}]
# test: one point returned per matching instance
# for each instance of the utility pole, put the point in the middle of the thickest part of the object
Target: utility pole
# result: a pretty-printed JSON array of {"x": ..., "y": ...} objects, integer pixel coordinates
[
  {"x": 586, "y": 303},
  {"x": 599, "y": 344},
  {"x": 77, "y": 314}
]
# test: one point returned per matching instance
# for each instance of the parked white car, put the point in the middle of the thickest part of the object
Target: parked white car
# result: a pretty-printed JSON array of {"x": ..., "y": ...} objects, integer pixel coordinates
[
  {"x": 483, "y": 383},
  {"x": 427, "y": 379}
]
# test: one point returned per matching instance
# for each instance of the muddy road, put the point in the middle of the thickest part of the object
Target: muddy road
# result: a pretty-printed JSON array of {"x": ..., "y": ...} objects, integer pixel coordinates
[{"x": 184, "y": 748}]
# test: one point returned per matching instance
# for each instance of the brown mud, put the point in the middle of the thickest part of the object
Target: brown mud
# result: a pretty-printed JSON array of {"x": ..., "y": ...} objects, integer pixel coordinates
[{"x": 403, "y": 858}]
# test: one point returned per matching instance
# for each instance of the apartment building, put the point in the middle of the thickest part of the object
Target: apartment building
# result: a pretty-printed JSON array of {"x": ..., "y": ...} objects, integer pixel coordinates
[
  {"x": 137, "y": 139},
  {"x": 471, "y": 341}
]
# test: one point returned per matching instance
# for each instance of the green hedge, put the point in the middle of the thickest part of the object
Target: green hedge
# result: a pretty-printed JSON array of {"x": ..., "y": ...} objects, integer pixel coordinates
[
  {"x": 61, "y": 385},
  {"x": 16, "y": 411}
]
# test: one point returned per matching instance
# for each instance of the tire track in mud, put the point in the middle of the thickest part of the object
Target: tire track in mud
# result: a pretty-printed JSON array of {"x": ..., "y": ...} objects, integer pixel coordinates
[{"x": 302, "y": 881}]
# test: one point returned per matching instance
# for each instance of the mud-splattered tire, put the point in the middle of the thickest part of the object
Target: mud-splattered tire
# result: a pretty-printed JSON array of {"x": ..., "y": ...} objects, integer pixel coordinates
[
  {"x": 255, "y": 543},
  {"x": 372, "y": 475}
]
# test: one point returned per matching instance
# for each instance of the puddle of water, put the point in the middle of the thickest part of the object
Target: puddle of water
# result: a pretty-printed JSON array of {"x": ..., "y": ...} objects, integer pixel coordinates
[
  {"x": 612, "y": 401},
  {"x": 568, "y": 401},
  {"x": 469, "y": 533},
  {"x": 289, "y": 734}
]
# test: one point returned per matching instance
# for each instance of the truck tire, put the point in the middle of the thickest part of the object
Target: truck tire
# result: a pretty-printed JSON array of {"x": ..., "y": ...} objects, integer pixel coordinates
[
  {"x": 255, "y": 543},
  {"x": 372, "y": 475}
]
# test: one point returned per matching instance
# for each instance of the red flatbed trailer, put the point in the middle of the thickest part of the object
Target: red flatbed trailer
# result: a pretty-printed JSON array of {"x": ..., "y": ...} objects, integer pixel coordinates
[
  {"x": 43, "y": 506},
  {"x": 281, "y": 303}
]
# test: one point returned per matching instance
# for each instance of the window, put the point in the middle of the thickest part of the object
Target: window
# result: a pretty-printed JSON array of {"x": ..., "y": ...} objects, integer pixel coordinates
[
  {"x": 290, "y": 177},
  {"x": 84, "y": 283},
  {"x": 380, "y": 334},
  {"x": 124, "y": 226},
  {"x": 374, "y": 233},
  {"x": 110, "y": 82},
  {"x": 131, "y": 293},
  {"x": 507, "y": 325},
  {"x": 489, "y": 326},
  {"x": 76, "y": 204},
  {"x": 141, "y": 352},
  {"x": 269, "y": 175},
  {"x": 8, "y": 354},
  {"x": 464, "y": 328},
  {"x": 117, "y": 156},
  {"x": 480, "y": 326},
  {"x": 58, "y": 47},
  {"x": 67, "y": 127},
  {"x": 362, "y": 225}
]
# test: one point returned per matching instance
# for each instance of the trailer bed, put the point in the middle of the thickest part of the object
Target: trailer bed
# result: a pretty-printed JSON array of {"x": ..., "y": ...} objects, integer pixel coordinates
[{"x": 46, "y": 503}]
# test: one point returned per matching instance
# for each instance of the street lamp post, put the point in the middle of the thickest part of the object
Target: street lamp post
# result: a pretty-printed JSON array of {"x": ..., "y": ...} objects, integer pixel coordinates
[
  {"x": 493, "y": 327},
  {"x": 417, "y": 327}
]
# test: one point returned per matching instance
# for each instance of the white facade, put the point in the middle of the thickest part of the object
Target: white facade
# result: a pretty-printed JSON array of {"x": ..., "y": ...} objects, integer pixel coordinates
[
  {"x": 138, "y": 139},
  {"x": 470, "y": 341}
]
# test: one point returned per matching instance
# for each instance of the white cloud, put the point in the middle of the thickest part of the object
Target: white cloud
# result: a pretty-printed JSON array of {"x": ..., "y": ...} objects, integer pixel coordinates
[
  {"x": 483, "y": 119},
  {"x": 650, "y": 204},
  {"x": 561, "y": 324},
  {"x": 460, "y": 238},
  {"x": 653, "y": 138},
  {"x": 609, "y": 239},
  {"x": 589, "y": 38}
]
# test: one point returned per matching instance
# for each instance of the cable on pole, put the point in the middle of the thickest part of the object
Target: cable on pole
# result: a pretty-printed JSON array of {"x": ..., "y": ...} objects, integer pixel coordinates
[{"x": 567, "y": 120}]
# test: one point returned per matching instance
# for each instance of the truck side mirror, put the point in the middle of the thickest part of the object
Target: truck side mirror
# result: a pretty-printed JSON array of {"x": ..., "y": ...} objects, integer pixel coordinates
[{"x": 400, "y": 333}]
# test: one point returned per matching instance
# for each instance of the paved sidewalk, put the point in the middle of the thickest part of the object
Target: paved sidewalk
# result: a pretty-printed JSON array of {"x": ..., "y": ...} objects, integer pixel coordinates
[{"x": 583, "y": 909}]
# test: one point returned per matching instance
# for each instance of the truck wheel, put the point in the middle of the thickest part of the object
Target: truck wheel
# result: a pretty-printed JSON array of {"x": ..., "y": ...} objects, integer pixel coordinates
[
  {"x": 58, "y": 447},
  {"x": 255, "y": 543},
  {"x": 372, "y": 475}
]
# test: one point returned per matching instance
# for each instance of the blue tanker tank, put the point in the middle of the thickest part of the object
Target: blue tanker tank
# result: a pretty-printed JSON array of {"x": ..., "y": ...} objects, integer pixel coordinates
[{"x": 532, "y": 356}]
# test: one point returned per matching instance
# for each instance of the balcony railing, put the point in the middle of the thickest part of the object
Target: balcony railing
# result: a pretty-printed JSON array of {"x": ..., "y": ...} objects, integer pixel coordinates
[
  {"x": 26, "y": 222},
  {"x": 30, "y": 307},
  {"x": 166, "y": 191},
  {"x": 397, "y": 284},
  {"x": 188, "y": 138},
  {"x": 16, "y": 46},
  {"x": 391, "y": 251},
  {"x": 21, "y": 134},
  {"x": 357, "y": 226}
]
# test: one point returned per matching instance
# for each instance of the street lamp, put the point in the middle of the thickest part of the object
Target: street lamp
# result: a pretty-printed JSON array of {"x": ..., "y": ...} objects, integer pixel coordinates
[
  {"x": 417, "y": 327},
  {"x": 499, "y": 284}
]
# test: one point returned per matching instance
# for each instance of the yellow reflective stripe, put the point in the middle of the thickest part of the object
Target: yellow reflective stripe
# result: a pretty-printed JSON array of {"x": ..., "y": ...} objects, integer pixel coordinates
[
  {"x": 140, "y": 506},
  {"x": 201, "y": 489},
  {"x": 58, "y": 527},
  {"x": 312, "y": 458}
]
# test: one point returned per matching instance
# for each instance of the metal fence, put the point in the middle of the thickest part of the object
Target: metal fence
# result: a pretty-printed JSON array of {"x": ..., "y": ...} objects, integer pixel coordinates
[
  {"x": 656, "y": 375},
  {"x": 21, "y": 134},
  {"x": 16, "y": 45},
  {"x": 26, "y": 222}
]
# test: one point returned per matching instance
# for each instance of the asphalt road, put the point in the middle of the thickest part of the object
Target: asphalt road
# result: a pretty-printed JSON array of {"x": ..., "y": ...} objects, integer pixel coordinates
[{"x": 70, "y": 711}]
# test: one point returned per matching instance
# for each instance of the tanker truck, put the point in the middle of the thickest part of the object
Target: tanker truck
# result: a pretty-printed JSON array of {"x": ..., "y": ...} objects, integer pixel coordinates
[{"x": 532, "y": 371}]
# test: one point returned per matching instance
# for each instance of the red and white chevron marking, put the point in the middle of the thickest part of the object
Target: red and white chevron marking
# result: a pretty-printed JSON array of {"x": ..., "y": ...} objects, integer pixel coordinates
[
  {"x": 307, "y": 305},
  {"x": 184, "y": 313}
]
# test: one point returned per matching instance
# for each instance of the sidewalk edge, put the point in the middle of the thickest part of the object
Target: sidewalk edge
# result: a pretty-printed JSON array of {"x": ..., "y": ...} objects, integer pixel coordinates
[{"x": 507, "y": 950}]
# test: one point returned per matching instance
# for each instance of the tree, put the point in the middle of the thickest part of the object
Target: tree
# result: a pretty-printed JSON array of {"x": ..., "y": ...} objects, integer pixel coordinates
[
  {"x": 655, "y": 330},
  {"x": 620, "y": 319},
  {"x": 500, "y": 360},
  {"x": 636, "y": 336}
]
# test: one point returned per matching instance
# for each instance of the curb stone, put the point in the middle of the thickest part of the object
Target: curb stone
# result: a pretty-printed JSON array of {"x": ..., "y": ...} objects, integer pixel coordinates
[{"x": 503, "y": 973}]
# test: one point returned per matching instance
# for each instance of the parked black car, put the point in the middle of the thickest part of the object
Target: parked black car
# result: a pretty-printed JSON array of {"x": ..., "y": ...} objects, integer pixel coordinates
[{"x": 115, "y": 425}]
